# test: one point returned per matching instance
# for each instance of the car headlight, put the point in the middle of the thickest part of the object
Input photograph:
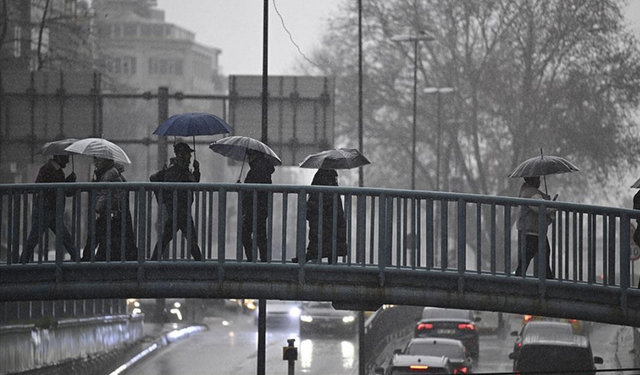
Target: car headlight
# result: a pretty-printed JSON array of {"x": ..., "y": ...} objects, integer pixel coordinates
[
  {"x": 348, "y": 319},
  {"x": 306, "y": 318},
  {"x": 176, "y": 305},
  {"x": 136, "y": 311},
  {"x": 294, "y": 312}
]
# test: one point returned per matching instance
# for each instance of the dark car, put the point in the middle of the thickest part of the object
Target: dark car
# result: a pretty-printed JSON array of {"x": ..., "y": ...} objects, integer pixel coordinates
[
  {"x": 402, "y": 364},
  {"x": 540, "y": 328},
  {"x": 450, "y": 323},
  {"x": 560, "y": 353},
  {"x": 321, "y": 317},
  {"x": 439, "y": 347}
]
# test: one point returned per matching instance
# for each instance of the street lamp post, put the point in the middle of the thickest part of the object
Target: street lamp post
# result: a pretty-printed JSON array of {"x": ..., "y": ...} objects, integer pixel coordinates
[
  {"x": 438, "y": 91},
  {"x": 415, "y": 39}
]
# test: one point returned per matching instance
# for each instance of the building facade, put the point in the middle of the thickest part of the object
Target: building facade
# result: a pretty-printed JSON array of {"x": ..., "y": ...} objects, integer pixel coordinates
[{"x": 138, "y": 48}]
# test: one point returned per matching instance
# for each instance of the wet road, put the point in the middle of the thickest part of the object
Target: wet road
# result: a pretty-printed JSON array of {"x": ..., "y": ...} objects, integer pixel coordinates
[{"x": 229, "y": 347}]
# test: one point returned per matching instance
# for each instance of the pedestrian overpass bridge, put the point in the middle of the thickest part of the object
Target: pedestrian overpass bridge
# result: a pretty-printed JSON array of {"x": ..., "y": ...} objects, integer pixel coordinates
[{"x": 405, "y": 248}]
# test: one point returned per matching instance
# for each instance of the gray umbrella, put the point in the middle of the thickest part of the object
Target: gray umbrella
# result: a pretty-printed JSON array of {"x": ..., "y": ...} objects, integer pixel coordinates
[
  {"x": 543, "y": 165},
  {"x": 58, "y": 148},
  {"x": 342, "y": 158}
]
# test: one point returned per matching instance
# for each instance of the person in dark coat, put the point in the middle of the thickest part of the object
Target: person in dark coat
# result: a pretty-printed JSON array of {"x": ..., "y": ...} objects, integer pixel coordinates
[
  {"x": 325, "y": 177},
  {"x": 178, "y": 171},
  {"x": 106, "y": 170},
  {"x": 260, "y": 172},
  {"x": 45, "y": 218}
]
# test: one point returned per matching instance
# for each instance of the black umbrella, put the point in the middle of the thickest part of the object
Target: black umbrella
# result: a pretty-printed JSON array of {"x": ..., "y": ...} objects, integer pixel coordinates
[{"x": 58, "y": 148}]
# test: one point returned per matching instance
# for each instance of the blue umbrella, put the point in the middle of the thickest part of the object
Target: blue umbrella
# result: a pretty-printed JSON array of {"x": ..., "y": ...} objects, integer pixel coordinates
[{"x": 192, "y": 124}]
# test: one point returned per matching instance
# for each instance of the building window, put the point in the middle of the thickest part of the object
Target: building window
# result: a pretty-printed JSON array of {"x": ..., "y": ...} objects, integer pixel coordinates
[
  {"x": 70, "y": 7},
  {"x": 145, "y": 31},
  {"x": 165, "y": 66},
  {"x": 124, "y": 65},
  {"x": 130, "y": 30},
  {"x": 17, "y": 41}
]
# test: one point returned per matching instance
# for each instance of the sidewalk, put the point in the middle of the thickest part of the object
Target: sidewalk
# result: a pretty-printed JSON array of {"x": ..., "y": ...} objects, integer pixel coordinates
[{"x": 626, "y": 352}]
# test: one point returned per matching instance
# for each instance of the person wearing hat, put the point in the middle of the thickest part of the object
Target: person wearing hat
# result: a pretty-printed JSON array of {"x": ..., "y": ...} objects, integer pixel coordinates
[
  {"x": 44, "y": 208},
  {"x": 178, "y": 171}
]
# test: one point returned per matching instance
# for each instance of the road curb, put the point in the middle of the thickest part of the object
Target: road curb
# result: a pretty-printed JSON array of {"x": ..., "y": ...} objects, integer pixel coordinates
[{"x": 166, "y": 339}]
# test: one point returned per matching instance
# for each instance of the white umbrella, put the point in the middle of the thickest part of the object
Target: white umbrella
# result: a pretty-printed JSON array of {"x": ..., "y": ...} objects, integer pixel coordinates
[{"x": 99, "y": 147}]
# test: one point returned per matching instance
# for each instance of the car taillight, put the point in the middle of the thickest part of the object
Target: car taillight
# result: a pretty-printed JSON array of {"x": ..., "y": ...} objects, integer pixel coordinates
[
  {"x": 423, "y": 326},
  {"x": 519, "y": 345},
  {"x": 418, "y": 367},
  {"x": 528, "y": 318},
  {"x": 461, "y": 370},
  {"x": 469, "y": 326}
]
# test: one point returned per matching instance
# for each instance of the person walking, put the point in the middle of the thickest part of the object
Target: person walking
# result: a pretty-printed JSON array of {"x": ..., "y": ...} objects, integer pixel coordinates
[
  {"x": 107, "y": 170},
  {"x": 260, "y": 172},
  {"x": 325, "y": 177},
  {"x": 44, "y": 217},
  {"x": 527, "y": 225},
  {"x": 178, "y": 171}
]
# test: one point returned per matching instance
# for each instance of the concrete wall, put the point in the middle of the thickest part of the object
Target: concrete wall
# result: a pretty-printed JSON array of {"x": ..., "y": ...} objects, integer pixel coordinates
[{"x": 48, "y": 342}]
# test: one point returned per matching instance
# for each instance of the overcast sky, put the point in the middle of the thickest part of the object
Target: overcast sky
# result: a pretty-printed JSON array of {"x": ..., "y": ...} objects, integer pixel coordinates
[{"x": 235, "y": 27}]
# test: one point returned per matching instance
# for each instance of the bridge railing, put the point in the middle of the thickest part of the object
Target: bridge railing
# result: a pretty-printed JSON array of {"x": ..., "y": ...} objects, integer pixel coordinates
[{"x": 387, "y": 229}]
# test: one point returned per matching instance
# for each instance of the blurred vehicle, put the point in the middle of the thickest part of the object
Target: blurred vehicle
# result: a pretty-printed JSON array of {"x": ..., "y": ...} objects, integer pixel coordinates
[
  {"x": 174, "y": 309},
  {"x": 439, "y": 347},
  {"x": 559, "y": 353},
  {"x": 540, "y": 328},
  {"x": 453, "y": 324},
  {"x": 318, "y": 317},
  {"x": 579, "y": 326},
  {"x": 490, "y": 323},
  {"x": 281, "y": 312},
  {"x": 416, "y": 365}
]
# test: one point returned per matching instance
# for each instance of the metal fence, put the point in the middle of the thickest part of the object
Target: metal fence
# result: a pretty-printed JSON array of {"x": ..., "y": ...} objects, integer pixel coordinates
[{"x": 399, "y": 229}]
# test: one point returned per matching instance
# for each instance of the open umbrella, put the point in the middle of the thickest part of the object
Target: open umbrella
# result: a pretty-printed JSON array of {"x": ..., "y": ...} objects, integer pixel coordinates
[
  {"x": 543, "y": 165},
  {"x": 99, "y": 147},
  {"x": 58, "y": 148},
  {"x": 636, "y": 185},
  {"x": 236, "y": 147},
  {"x": 342, "y": 158},
  {"x": 192, "y": 124}
]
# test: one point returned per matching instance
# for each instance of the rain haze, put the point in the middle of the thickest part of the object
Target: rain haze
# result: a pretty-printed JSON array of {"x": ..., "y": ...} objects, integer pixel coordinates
[
  {"x": 236, "y": 27},
  {"x": 169, "y": 272}
]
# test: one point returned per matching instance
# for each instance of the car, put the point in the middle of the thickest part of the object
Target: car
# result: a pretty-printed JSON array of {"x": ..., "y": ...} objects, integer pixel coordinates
[
  {"x": 316, "y": 317},
  {"x": 402, "y": 364},
  {"x": 560, "y": 352},
  {"x": 579, "y": 326},
  {"x": 453, "y": 324},
  {"x": 282, "y": 313},
  {"x": 439, "y": 347},
  {"x": 540, "y": 328},
  {"x": 490, "y": 323}
]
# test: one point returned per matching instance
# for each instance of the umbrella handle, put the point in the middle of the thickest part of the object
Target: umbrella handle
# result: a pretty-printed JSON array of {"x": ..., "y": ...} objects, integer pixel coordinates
[
  {"x": 242, "y": 167},
  {"x": 194, "y": 147},
  {"x": 545, "y": 185}
]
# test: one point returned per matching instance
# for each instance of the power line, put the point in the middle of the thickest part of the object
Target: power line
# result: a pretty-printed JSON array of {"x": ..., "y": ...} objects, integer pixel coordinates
[{"x": 291, "y": 36}]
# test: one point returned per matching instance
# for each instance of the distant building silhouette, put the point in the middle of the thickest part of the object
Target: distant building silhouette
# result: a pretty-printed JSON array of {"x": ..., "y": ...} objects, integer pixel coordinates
[{"x": 139, "y": 48}]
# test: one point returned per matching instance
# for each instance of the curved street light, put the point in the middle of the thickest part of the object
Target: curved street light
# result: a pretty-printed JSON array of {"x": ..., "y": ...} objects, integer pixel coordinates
[
  {"x": 415, "y": 39},
  {"x": 438, "y": 91}
]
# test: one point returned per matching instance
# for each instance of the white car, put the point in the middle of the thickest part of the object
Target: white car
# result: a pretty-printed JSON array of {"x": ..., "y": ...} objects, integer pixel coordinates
[{"x": 321, "y": 317}]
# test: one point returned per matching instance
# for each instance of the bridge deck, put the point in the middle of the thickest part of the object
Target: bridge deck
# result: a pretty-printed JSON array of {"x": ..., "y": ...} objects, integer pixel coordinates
[{"x": 405, "y": 247}]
